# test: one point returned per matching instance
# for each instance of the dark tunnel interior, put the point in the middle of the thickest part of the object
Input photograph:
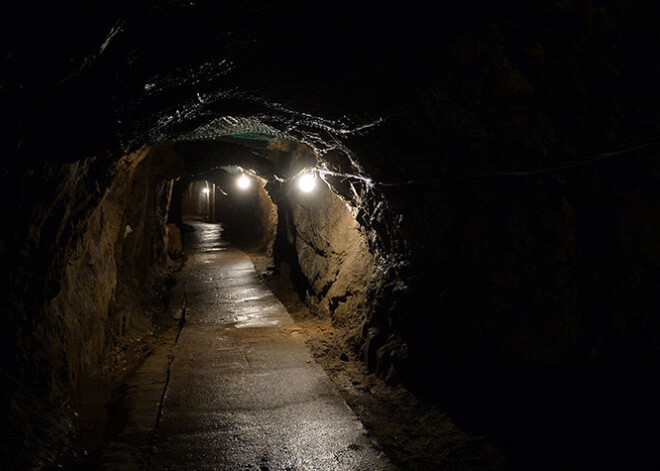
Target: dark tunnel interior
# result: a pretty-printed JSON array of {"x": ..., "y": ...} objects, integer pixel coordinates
[{"x": 456, "y": 203}]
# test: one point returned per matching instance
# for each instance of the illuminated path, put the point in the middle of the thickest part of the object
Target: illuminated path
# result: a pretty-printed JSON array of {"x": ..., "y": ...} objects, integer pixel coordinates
[{"x": 239, "y": 389}]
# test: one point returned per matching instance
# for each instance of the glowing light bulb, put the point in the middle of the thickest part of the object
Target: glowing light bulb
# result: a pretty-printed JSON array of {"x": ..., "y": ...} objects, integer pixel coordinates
[
  {"x": 307, "y": 182},
  {"x": 243, "y": 182},
  {"x": 205, "y": 191}
]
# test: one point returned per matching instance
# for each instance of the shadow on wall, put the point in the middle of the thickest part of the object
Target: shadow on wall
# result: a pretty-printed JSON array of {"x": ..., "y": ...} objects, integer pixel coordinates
[
  {"x": 90, "y": 239},
  {"x": 533, "y": 305}
]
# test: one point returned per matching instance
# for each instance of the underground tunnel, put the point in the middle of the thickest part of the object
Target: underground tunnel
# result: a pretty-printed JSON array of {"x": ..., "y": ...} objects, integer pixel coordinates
[{"x": 288, "y": 235}]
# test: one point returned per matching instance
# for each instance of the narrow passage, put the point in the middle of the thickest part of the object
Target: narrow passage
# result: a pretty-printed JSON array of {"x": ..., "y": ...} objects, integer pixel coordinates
[{"x": 241, "y": 390}]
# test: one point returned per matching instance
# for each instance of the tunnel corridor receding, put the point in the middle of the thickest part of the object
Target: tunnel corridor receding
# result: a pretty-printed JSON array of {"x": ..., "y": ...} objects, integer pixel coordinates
[
  {"x": 297, "y": 218},
  {"x": 481, "y": 248},
  {"x": 241, "y": 372}
]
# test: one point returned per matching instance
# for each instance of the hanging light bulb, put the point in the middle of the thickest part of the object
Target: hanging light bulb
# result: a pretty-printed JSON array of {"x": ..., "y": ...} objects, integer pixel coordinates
[
  {"x": 243, "y": 182},
  {"x": 307, "y": 182}
]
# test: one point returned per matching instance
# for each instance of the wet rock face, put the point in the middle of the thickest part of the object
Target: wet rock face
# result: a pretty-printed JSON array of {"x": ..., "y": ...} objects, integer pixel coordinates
[
  {"x": 333, "y": 255},
  {"x": 81, "y": 282}
]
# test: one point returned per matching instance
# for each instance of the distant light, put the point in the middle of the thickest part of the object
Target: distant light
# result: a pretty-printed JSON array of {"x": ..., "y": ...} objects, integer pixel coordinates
[
  {"x": 243, "y": 182},
  {"x": 307, "y": 182},
  {"x": 205, "y": 191}
]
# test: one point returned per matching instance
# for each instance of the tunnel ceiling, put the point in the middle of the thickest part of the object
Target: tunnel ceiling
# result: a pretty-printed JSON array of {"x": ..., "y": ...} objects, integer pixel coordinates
[
  {"x": 93, "y": 78},
  {"x": 81, "y": 79}
]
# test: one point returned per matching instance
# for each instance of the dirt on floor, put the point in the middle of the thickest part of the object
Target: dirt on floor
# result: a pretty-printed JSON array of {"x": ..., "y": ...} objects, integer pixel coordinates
[{"x": 415, "y": 434}]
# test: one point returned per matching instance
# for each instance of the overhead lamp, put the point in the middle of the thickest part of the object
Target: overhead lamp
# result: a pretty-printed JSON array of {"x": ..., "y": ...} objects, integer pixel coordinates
[
  {"x": 243, "y": 182},
  {"x": 307, "y": 182},
  {"x": 205, "y": 190}
]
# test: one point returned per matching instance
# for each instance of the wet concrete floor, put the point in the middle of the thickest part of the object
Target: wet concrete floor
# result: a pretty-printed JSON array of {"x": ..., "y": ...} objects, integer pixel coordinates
[{"x": 236, "y": 388}]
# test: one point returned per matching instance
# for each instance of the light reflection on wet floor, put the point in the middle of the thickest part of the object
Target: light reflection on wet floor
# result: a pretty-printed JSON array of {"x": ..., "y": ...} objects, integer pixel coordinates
[
  {"x": 224, "y": 288},
  {"x": 244, "y": 392},
  {"x": 204, "y": 238}
]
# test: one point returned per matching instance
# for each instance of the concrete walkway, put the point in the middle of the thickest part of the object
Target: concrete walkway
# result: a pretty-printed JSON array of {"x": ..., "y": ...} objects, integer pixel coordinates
[{"x": 237, "y": 389}]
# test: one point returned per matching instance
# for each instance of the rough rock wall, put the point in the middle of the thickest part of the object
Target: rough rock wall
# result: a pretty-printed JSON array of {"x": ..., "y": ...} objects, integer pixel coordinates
[
  {"x": 331, "y": 251},
  {"x": 510, "y": 258},
  {"x": 92, "y": 236}
]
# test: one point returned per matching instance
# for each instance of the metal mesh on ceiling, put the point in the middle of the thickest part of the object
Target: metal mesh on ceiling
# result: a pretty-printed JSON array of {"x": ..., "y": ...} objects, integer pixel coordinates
[{"x": 246, "y": 131}]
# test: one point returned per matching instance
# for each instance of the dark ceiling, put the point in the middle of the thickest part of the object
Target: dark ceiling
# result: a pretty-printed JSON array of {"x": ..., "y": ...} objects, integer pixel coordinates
[{"x": 79, "y": 78}]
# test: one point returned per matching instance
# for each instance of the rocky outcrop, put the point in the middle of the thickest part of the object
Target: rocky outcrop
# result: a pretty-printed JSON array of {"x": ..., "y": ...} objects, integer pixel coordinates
[
  {"x": 92, "y": 251},
  {"x": 322, "y": 248},
  {"x": 333, "y": 255}
]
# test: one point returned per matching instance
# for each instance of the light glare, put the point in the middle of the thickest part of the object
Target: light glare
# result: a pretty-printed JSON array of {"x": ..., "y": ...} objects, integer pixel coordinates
[
  {"x": 205, "y": 191},
  {"x": 243, "y": 182},
  {"x": 307, "y": 182}
]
